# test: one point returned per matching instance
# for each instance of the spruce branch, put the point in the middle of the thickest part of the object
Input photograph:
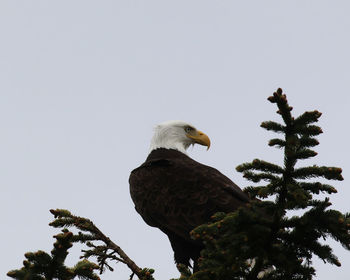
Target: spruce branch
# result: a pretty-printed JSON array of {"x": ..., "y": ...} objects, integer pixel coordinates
[
  {"x": 317, "y": 187},
  {"x": 277, "y": 142},
  {"x": 330, "y": 173},
  {"x": 307, "y": 117},
  {"x": 257, "y": 177},
  {"x": 308, "y": 130},
  {"x": 41, "y": 265},
  {"x": 304, "y": 154},
  {"x": 306, "y": 141},
  {"x": 270, "y": 125},
  {"x": 260, "y": 165},
  {"x": 108, "y": 251}
]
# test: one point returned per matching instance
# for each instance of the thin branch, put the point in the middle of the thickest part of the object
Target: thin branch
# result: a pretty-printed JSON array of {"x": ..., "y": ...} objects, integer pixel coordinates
[
  {"x": 129, "y": 262},
  {"x": 64, "y": 216}
]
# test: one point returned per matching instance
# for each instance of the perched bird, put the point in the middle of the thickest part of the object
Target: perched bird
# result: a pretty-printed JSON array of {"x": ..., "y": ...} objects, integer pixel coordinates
[{"x": 175, "y": 193}]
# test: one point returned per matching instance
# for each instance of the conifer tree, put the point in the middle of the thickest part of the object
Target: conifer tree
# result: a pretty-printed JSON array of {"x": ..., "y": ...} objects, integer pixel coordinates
[
  {"x": 41, "y": 265},
  {"x": 261, "y": 241}
]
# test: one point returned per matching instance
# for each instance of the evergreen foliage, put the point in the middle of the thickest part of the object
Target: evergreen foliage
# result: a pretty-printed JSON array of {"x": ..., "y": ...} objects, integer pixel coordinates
[
  {"x": 41, "y": 265},
  {"x": 260, "y": 241}
]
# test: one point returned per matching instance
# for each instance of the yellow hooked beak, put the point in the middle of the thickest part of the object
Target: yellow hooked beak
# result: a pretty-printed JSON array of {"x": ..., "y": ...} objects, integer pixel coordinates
[{"x": 200, "y": 138}]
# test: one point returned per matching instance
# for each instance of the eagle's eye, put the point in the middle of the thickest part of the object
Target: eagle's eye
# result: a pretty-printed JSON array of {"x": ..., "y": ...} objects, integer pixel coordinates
[{"x": 189, "y": 129}]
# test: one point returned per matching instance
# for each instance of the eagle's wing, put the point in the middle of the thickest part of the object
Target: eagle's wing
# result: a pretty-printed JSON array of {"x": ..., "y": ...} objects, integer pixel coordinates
[{"x": 177, "y": 195}]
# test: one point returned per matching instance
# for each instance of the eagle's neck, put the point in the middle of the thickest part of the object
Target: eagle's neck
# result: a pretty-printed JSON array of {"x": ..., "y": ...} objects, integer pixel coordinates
[{"x": 168, "y": 141}]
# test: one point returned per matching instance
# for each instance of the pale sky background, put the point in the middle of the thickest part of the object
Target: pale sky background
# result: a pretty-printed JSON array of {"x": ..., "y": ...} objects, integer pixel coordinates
[{"x": 82, "y": 83}]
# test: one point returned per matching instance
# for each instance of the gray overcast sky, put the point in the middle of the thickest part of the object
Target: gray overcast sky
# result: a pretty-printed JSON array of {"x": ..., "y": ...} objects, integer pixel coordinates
[{"x": 82, "y": 83}]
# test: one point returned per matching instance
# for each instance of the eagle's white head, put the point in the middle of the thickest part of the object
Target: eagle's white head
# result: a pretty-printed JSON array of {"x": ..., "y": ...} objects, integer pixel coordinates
[{"x": 177, "y": 135}]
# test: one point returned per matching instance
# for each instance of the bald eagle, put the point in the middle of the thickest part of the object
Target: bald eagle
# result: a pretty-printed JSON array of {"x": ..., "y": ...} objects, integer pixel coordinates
[{"x": 175, "y": 193}]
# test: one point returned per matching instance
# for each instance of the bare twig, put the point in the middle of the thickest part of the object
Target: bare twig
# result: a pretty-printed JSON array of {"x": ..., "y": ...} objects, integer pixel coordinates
[{"x": 124, "y": 257}]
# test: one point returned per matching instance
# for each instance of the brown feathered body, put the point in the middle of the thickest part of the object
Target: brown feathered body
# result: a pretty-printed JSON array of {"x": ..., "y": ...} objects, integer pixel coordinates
[{"x": 175, "y": 193}]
